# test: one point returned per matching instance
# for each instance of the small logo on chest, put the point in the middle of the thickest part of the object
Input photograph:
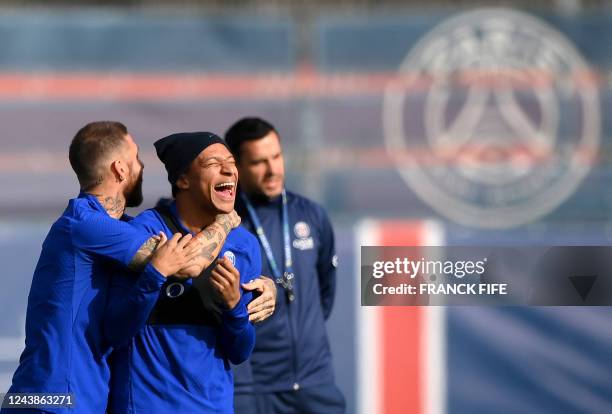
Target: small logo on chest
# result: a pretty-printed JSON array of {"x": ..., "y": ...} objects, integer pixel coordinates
[
  {"x": 230, "y": 256},
  {"x": 302, "y": 232},
  {"x": 174, "y": 290}
]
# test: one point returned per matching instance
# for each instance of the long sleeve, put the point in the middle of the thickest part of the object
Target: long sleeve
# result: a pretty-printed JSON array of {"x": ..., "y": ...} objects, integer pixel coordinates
[
  {"x": 326, "y": 265},
  {"x": 110, "y": 238},
  {"x": 131, "y": 300},
  {"x": 237, "y": 333}
]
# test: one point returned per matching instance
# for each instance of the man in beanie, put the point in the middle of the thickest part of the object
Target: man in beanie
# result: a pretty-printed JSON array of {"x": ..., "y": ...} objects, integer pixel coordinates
[
  {"x": 66, "y": 345},
  {"x": 291, "y": 366},
  {"x": 179, "y": 361}
]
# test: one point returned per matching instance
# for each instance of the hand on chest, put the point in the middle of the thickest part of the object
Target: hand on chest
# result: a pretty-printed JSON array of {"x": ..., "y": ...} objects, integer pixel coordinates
[{"x": 238, "y": 257}]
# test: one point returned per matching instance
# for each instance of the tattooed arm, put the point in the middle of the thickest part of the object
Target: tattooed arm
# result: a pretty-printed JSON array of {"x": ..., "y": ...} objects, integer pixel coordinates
[
  {"x": 210, "y": 241},
  {"x": 143, "y": 255}
]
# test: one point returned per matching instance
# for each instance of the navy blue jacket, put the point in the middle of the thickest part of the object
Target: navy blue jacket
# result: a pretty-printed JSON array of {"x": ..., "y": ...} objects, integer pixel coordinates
[{"x": 291, "y": 346}]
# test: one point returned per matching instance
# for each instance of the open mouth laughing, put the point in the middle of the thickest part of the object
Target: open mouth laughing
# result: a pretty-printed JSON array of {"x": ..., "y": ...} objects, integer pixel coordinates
[{"x": 226, "y": 190}]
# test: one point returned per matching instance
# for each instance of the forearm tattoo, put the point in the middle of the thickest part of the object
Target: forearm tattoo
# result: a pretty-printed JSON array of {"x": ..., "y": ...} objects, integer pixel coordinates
[
  {"x": 226, "y": 226},
  {"x": 143, "y": 255},
  {"x": 208, "y": 250},
  {"x": 211, "y": 238},
  {"x": 207, "y": 234}
]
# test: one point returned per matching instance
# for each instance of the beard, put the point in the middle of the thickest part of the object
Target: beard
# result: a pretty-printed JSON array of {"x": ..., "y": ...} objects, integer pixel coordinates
[{"x": 133, "y": 193}]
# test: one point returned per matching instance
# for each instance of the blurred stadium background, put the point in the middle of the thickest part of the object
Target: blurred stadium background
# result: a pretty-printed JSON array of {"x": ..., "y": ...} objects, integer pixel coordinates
[{"x": 360, "y": 106}]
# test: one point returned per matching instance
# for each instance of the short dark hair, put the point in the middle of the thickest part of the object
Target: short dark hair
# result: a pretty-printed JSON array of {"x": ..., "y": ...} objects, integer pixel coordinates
[
  {"x": 91, "y": 146},
  {"x": 246, "y": 129}
]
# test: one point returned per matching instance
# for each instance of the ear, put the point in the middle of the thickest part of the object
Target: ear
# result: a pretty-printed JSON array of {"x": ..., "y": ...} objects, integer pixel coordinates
[
  {"x": 183, "y": 182},
  {"x": 119, "y": 170}
]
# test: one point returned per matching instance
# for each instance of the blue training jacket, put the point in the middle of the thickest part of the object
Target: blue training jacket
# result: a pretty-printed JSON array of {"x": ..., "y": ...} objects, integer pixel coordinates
[
  {"x": 291, "y": 346},
  {"x": 179, "y": 362},
  {"x": 65, "y": 348}
]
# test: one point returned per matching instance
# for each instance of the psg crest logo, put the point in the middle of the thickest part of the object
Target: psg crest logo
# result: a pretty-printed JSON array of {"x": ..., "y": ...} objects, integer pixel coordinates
[
  {"x": 301, "y": 229},
  {"x": 230, "y": 256},
  {"x": 493, "y": 118},
  {"x": 304, "y": 241}
]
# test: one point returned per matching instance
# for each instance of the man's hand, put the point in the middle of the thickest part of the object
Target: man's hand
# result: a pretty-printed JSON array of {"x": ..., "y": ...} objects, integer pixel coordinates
[
  {"x": 174, "y": 254},
  {"x": 262, "y": 307},
  {"x": 225, "y": 280}
]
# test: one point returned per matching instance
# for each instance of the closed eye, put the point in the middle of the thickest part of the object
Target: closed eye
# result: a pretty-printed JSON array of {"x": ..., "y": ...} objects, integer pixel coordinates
[{"x": 231, "y": 163}]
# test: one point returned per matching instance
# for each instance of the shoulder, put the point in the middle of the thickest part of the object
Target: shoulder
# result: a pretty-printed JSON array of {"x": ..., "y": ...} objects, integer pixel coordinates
[
  {"x": 241, "y": 237},
  {"x": 84, "y": 217},
  {"x": 241, "y": 243},
  {"x": 306, "y": 205},
  {"x": 81, "y": 208},
  {"x": 146, "y": 216},
  {"x": 149, "y": 218},
  {"x": 93, "y": 229}
]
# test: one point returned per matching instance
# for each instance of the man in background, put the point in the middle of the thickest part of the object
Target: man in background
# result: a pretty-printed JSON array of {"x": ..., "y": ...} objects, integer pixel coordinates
[{"x": 290, "y": 370}]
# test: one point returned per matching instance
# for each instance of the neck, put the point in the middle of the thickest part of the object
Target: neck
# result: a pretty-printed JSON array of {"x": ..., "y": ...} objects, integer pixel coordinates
[
  {"x": 260, "y": 198},
  {"x": 193, "y": 217},
  {"x": 112, "y": 201}
]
